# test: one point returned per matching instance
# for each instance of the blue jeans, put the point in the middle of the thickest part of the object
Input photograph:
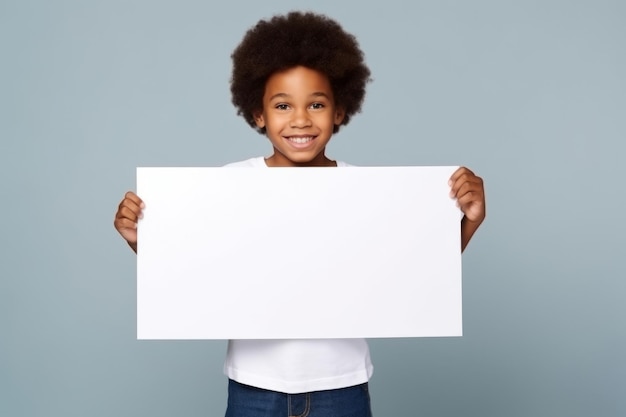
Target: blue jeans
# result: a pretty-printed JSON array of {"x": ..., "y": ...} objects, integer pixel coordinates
[{"x": 247, "y": 401}]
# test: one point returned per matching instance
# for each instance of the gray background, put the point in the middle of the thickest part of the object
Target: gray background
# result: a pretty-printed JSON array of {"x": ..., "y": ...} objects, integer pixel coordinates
[{"x": 531, "y": 95}]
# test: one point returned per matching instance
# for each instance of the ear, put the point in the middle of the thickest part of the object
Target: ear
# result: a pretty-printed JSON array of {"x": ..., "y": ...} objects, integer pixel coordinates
[
  {"x": 259, "y": 119},
  {"x": 339, "y": 115}
]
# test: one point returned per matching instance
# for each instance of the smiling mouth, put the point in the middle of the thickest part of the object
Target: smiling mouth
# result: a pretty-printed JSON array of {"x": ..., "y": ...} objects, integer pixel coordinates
[{"x": 300, "y": 140}]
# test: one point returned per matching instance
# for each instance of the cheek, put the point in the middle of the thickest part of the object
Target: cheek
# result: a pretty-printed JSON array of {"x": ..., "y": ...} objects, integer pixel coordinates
[{"x": 275, "y": 119}]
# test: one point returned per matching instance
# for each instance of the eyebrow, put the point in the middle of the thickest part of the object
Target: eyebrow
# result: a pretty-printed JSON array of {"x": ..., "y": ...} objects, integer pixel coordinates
[{"x": 285, "y": 95}]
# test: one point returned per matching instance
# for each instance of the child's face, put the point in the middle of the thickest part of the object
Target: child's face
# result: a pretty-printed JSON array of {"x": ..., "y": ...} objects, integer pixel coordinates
[{"x": 299, "y": 115}]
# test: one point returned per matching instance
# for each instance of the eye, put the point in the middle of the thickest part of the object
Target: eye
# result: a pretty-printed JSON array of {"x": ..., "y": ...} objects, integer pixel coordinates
[
  {"x": 282, "y": 106},
  {"x": 317, "y": 106}
]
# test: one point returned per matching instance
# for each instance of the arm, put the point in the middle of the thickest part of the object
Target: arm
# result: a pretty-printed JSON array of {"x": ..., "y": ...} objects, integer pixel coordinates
[
  {"x": 128, "y": 213},
  {"x": 469, "y": 192}
]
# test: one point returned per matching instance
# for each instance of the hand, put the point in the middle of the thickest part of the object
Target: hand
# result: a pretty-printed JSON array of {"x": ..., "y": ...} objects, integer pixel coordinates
[
  {"x": 128, "y": 213},
  {"x": 468, "y": 190}
]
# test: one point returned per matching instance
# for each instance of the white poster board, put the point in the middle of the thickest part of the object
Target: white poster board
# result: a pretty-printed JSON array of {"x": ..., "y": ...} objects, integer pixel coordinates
[{"x": 249, "y": 253}]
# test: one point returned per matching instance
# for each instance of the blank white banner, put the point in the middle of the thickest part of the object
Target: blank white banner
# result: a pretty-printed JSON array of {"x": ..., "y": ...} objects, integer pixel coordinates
[{"x": 285, "y": 253}]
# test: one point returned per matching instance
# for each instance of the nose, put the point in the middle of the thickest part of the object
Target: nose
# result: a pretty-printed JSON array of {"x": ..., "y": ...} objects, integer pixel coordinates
[{"x": 300, "y": 118}]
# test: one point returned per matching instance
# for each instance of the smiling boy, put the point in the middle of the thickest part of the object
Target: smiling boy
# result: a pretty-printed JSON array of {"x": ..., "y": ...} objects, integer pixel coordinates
[{"x": 297, "y": 79}]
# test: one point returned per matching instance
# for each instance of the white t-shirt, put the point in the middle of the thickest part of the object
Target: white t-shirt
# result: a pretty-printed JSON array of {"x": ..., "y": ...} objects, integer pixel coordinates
[{"x": 297, "y": 365}]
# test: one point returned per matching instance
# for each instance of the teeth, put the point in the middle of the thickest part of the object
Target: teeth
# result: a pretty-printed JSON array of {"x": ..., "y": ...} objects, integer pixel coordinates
[{"x": 301, "y": 140}]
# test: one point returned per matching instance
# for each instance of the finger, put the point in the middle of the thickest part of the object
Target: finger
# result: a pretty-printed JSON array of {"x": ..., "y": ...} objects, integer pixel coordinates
[
  {"x": 126, "y": 212},
  {"x": 463, "y": 182},
  {"x": 134, "y": 198},
  {"x": 470, "y": 197},
  {"x": 458, "y": 173},
  {"x": 132, "y": 205},
  {"x": 124, "y": 223},
  {"x": 465, "y": 187}
]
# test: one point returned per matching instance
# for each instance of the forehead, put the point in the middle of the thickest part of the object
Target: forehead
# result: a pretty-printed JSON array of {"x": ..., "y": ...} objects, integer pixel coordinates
[{"x": 298, "y": 81}]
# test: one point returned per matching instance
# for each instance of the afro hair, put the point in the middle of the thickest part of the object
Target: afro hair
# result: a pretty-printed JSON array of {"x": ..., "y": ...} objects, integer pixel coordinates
[{"x": 298, "y": 39}]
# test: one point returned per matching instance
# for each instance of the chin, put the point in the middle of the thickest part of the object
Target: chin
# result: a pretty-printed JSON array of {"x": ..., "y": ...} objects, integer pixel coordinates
[{"x": 303, "y": 159}]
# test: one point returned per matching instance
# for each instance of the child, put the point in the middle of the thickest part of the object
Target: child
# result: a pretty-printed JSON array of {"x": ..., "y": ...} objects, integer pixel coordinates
[{"x": 297, "y": 79}]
